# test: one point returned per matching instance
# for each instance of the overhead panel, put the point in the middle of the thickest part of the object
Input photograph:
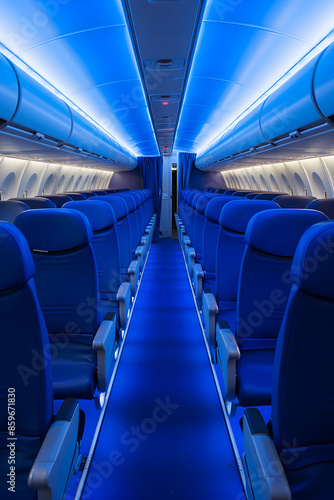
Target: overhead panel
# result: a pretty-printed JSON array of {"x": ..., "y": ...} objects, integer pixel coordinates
[
  {"x": 83, "y": 49},
  {"x": 164, "y": 32},
  {"x": 243, "y": 49}
]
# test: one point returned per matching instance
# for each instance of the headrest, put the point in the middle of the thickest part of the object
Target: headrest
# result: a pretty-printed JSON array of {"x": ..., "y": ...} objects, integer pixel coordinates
[
  {"x": 325, "y": 205},
  {"x": 77, "y": 196},
  {"x": 312, "y": 267},
  {"x": 10, "y": 209},
  {"x": 129, "y": 200},
  {"x": 58, "y": 199},
  {"x": 214, "y": 207},
  {"x": 138, "y": 197},
  {"x": 236, "y": 215},
  {"x": 190, "y": 196},
  {"x": 289, "y": 201},
  {"x": 203, "y": 200},
  {"x": 268, "y": 195},
  {"x": 278, "y": 232},
  {"x": 117, "y": 203},
  {"x": 16, "y": 264},
  {"x": 54, "y": 230},
  {"x": 100, "y": 214},
  {"x": 195, "y": 199},
  {"x": 37, "y": 202}
]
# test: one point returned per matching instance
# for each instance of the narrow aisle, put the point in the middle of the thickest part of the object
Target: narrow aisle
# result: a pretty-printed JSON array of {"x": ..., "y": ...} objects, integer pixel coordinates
[{"x": 164, "y": 434}]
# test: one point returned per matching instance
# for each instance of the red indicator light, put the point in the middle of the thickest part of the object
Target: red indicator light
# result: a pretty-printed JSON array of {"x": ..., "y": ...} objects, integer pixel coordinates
[
  {"x": 165, "y": 148},
  {"x": 165, "y": 103}
]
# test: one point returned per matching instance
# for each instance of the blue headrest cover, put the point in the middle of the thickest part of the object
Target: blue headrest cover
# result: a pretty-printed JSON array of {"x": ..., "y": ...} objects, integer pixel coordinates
[
  {"x": 129, "y": 200},
  {"x": 236, "y": 215},
  {"x": 10, "y": 209},
  {"x": 312, "y": 267},
  {"x": 214, "y": 207},
  {"x": 100, "y": 214},
  {"x": 40, "y": 202},
  {"x": 289, "y": 201},
  {"x": 195, "y": 199},
  {"x": 117, "y": 203},
  {"x": 278, "y": 232},
  {"x": 16, "y": 264},
  {"x": 54, "y": 230},
  {"x": 325, "y": 205},
  {"x": 203, "y": 200}
]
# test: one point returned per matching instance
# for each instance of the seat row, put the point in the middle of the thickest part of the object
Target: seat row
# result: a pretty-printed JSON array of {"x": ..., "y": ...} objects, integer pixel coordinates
[
  {"x": 260, "y": 272},
  {"x": 64, "y": 305}
]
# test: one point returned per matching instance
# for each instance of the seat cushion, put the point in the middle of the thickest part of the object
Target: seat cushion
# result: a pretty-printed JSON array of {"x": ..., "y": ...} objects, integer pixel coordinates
[
  {"x": 73, "y": 365},
  {"x": 254, "y": 377}
]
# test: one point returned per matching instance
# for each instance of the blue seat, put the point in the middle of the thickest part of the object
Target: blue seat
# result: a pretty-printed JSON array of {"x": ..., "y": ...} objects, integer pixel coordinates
[
  {"x": 195, "y": 252},
  {"x": 58, "y": 199},
  {"x": 264, "y": 285},
  {"x": 45, "y": 448},
  {"x": 294, "y": 457},
  {"x": 287, "y": 201},
  {"x": 324, "y": 205},
  {"x": 10, "y": 209},
  {"x": 76, "y": 196},
  {"x": 105, "y": 243},
  {"x": 82, "y": 328},
  {"x": 204, "y": 273},
  {"x": 37, "y": 202},
  {"x": 233, "y": 220},
  {"x": 269, "y": 195},
  {"x": 121, "y": 212}
]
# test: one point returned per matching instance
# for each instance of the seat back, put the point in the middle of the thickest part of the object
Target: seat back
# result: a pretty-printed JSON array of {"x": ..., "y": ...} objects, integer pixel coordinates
[
  {"x": 269, "y": 195},
  {"x": 199, "y": 222},
  {"x": 76, "y": 196},
  {"x": 66, "y": 273},
  {"x": 287, "y": 201},
  {"x": 234, "y": 218},
  {"x": 264, "y": 285},
  {"x": 303, "y": 395},
  {"x": 324, "y": 205},
  {"x": 121, "y": 213},
  {"x": 38, "y": 202},
  {"x": 10, "y": 209},
  {"x": 211, "y": 231},
  {"x": 105, "y": 241},
  {"x": 24, "y": 360},
  {"x": 58, "y": 199}
]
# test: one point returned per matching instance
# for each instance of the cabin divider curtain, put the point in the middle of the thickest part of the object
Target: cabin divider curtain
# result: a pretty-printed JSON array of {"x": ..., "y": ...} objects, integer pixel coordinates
[
  {"x": 150, "y": 168},
  {"x": 185, "y": 165}
]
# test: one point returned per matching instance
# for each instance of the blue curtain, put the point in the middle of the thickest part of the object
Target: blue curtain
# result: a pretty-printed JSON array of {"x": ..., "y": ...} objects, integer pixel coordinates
[
  {"x": 150, "y": 168},
  {"x": 185, "y": 165}
]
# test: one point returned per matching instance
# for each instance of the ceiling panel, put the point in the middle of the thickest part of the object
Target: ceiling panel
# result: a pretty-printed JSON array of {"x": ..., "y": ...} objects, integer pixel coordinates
[
  {"x": 244, "y": 48},
  {"x": 84, "y": 49}
]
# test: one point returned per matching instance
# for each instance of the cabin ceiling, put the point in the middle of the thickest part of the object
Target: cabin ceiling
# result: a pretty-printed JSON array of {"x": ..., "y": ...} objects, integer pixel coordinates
[{"x": 102, "y": 56}]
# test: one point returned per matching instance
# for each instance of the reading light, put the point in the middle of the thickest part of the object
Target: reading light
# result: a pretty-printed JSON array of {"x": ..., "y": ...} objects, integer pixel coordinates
[{"x": 165, "y": 103}]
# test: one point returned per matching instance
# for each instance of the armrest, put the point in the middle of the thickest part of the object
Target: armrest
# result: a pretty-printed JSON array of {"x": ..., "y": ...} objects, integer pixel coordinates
[
  {"x": 228, "y": 354},
  {"x": 104, "y": 344},
  {"x": 140, "y": 255},
  {"x": 187, "y": 241},
  {"x": 191, "y": 260},
  {"x": 123, "y": 298},
  {"x": 198, "y": 282},
  {"x": 58, "y": 458},
  {"x": 210, "y": 309},
  {"x": 133, "y": 272},
  {"x": 264, "y": 468}
]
